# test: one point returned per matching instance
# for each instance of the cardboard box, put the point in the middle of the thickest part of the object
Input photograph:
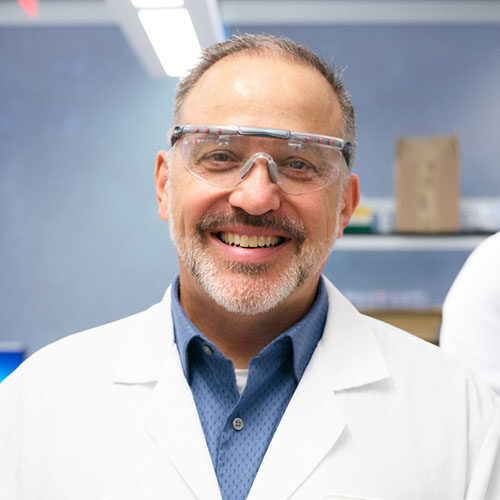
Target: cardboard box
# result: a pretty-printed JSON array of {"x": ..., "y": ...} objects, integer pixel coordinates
[{"x": 427, "y": 184}]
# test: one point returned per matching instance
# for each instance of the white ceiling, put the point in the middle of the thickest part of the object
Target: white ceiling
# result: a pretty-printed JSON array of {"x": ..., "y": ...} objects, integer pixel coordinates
[{"x": 266, "y": 12}]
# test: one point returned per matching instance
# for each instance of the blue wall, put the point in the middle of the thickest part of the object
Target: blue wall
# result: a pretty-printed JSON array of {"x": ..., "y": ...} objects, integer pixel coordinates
[
  {"x": 81, "y": 122},
  {"x": 416, "y": 80}
]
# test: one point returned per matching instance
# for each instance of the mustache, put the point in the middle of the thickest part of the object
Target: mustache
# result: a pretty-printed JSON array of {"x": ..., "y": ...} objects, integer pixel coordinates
[{"x": 289, "y": 226}]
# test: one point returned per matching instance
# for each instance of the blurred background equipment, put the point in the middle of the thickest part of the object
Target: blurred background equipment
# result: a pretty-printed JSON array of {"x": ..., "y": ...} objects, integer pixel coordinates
[
  {"x": 11, "y": 356},
  {"x": 29, "y": 6}
]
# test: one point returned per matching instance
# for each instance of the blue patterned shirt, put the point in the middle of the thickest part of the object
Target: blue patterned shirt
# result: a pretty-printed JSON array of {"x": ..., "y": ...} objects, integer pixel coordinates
[{"x": 238, "y": 429}]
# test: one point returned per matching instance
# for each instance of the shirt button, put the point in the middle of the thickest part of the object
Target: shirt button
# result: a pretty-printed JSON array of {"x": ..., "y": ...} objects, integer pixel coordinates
[
  {"x": 207, "y": 349},
  {"x": 238, "y": 424}
]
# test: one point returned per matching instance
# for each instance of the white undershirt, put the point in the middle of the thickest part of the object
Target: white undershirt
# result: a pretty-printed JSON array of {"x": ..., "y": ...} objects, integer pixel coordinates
[{"x": 241, "y": 378}]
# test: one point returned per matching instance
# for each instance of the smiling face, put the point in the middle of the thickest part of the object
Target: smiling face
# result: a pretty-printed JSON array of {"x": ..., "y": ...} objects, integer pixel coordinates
[{"x": 253, "y": 247}]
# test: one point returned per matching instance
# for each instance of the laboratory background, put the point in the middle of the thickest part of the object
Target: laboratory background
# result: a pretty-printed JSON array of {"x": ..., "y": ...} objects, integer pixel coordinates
[{"x": 86, "y": 103}]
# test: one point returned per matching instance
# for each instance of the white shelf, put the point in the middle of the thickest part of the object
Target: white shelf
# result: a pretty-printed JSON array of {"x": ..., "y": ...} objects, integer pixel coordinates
[{"x": 374, "y": 242}]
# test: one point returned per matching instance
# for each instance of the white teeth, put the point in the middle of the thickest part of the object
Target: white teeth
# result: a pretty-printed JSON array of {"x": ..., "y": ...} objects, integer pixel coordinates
[{"x": 244, "y": 241}]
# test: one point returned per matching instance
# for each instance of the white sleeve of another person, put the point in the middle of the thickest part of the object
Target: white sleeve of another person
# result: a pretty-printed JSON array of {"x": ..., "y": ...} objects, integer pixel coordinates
[{"x": 471, "y": 313}]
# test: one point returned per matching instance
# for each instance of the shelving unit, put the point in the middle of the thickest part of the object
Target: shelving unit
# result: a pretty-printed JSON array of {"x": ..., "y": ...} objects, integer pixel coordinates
[
  {"x": 391, "y": 242},
  {"x": 424, "y": 324}
]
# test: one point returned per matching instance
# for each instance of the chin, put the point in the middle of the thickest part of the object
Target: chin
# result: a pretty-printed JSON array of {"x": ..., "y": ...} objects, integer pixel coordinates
[{"x": 248, "y": 289}]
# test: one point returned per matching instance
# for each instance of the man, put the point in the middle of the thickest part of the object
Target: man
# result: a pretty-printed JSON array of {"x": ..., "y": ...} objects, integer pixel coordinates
[{"x": 334, "y": 405}]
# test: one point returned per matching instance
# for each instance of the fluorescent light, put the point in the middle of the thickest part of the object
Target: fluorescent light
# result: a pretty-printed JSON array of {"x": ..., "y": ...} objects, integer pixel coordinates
[
  {"x": 157, "y": 4},
  {"x": 173, "y": 37}
]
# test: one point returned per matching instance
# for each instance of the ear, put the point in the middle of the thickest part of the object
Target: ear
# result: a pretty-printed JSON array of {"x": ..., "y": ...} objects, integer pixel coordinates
[
  {"x": 350, "y": 200},
  {"x": 161, "y": 177}
]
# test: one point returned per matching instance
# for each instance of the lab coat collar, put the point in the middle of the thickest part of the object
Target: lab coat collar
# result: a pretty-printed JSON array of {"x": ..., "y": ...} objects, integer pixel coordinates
[
  {"x": 146, "y": 347},
  {"x": 351, "y": 356},
  {"x": 349, "y": 352}
]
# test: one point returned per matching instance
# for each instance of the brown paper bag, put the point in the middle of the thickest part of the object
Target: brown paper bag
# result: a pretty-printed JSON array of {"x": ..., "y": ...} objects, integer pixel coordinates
[{"x": 427, "y": 184}]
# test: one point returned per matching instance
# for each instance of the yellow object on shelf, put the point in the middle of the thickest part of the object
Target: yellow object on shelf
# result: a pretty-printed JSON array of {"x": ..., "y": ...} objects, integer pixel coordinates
[{"x": 361, "y": 221}]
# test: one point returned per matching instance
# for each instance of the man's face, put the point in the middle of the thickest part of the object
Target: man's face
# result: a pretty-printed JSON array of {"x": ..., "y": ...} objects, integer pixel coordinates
[{"x": 260, "y": 91}]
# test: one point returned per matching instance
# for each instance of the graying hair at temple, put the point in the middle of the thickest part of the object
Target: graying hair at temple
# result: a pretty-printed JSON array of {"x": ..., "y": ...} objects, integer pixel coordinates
[{"x": 289, "y": 49}]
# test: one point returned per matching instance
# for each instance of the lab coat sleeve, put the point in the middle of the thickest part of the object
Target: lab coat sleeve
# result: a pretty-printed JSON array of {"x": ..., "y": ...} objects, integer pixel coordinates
[
  {"x": 471, "y": 313},
  {"x": 485, "y": 481}
]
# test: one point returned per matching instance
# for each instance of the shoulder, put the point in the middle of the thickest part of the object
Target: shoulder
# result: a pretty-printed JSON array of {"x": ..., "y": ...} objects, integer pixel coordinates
[
  {"x": 490, "y": 245},
  {"x": 418, "y": 369},
  {"x": 484, "y": 262},
  {"x": 92, "y": 353},
  {"x": 409, "y": 354},
  {"x": 429, "y": 375},
  {"x": 472, "y": 303}
]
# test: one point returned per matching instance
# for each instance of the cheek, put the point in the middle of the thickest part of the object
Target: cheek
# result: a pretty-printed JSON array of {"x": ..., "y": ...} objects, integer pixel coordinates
[
  {"x": 333, "y": 203},
  {"x": 177, "y": 204},
  {"x": 190, "y": 200},
  {"x": 320, "y": 214}
]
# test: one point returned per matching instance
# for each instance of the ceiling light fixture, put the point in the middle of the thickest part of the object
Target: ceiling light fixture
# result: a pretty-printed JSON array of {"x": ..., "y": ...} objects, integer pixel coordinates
[
  {"x": 173, "y": 37},
  {"x": 157, "y": 4},
  {"x": 168, "y": 35}
]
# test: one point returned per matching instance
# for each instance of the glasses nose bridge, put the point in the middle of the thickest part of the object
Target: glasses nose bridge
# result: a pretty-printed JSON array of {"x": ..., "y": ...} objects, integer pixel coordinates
[{"x": 272, "y": 168}]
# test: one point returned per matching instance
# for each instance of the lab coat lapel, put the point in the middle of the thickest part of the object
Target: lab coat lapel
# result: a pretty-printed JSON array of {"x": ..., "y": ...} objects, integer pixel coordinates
[
  {"x": 311, "y": 425},
  {"x": 149, "y": 356},
  {"x": 352, "y": 356},
  {"x": 346, "y": 357},
  {"x": 172, "y": 422}
]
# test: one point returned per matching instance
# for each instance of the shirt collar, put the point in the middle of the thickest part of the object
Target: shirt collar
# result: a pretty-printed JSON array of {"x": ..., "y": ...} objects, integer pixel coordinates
[{"x": 304, "y": 335}]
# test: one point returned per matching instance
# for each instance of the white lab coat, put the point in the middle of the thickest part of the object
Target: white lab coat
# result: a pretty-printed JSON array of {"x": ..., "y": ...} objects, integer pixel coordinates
[
  {"x": 378, "y": 415},
  {"x": 471, "y": 313}
]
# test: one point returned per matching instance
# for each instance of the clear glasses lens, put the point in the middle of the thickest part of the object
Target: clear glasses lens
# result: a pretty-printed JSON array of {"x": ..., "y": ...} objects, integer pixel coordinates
[{"x": 223, "y": 161}]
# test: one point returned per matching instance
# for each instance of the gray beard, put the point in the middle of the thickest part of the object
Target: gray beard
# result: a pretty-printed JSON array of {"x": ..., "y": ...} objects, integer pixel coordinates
[{"x": 255, "y": 293}]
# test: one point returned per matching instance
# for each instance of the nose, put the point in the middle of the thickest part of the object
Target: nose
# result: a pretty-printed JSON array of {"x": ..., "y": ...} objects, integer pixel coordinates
[{"x": 257, "y": 194}]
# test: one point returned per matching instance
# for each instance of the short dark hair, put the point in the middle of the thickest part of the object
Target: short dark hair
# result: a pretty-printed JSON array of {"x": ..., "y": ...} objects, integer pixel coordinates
[{"x": 288, "y": 48}]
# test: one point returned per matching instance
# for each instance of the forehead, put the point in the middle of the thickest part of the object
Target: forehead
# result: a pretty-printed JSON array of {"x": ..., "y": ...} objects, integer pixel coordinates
[{"x": 264, "y": 90}]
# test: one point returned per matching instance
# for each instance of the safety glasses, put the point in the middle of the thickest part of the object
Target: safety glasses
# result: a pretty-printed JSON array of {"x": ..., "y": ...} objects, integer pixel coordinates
[{"x": 223, "y": 156}]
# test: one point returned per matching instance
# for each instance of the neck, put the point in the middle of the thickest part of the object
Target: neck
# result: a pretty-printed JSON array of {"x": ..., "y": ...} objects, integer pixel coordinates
[{"x": 241, "y": 337}]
